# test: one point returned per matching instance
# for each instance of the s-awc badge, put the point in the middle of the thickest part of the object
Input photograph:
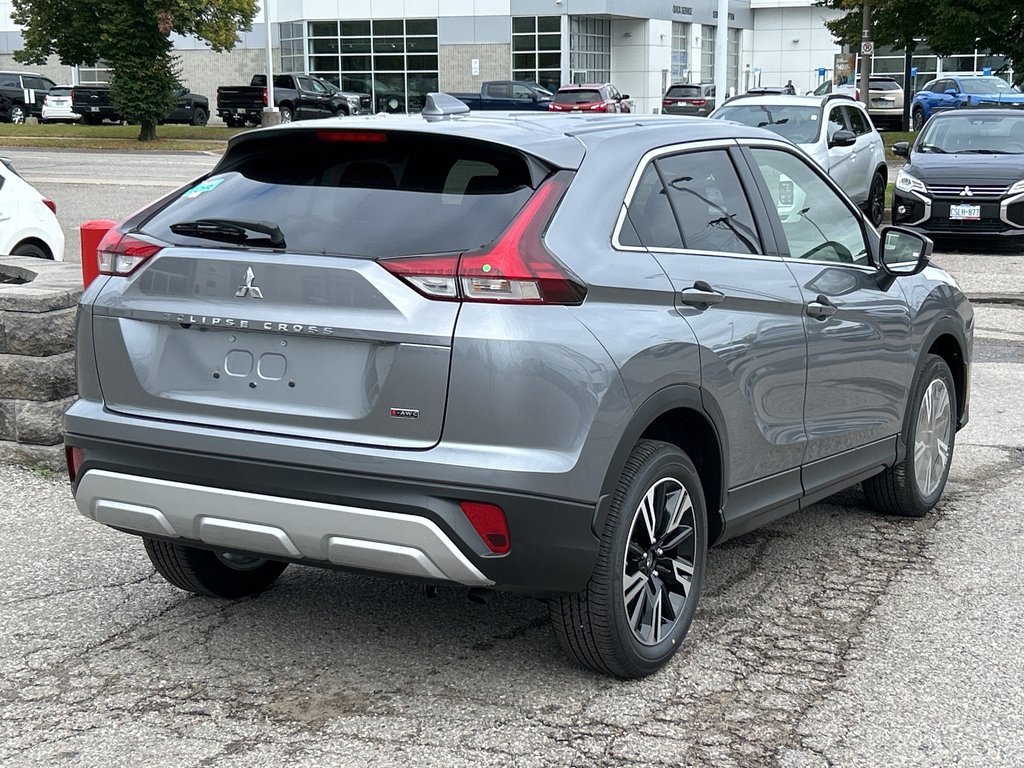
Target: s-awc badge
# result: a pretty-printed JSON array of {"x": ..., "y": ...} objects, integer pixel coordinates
[{"x": 405, "y": 413}]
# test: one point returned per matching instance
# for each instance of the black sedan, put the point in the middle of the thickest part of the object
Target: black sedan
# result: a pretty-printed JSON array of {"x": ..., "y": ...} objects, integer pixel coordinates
[{"x": 964, "y": 176}]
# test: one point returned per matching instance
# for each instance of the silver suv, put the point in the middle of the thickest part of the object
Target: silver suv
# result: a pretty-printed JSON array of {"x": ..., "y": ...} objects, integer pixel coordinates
[
  {"x": 834, "y": 130},
  {"x": 561, "y": 355}
]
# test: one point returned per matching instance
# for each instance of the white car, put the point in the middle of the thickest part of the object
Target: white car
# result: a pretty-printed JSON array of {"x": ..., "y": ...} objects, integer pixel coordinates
[
  {"x": 834, "y": 130},
  {"x": 28, "y": 221},
  {"x": 57, "y": 106}
]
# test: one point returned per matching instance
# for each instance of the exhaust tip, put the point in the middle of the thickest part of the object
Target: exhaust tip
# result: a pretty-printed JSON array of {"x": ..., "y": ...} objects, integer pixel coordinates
[{"x": 479, "y": 595}]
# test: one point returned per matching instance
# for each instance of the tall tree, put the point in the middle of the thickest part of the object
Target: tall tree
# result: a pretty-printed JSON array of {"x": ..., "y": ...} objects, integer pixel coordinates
[
  {"x": 946, "y": 26},
  {"x": 133, "y": 38}
]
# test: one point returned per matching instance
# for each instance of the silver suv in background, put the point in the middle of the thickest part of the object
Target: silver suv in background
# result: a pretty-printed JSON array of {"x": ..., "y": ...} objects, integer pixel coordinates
[
  {"x": 593, "y": 346},
  {"x": 886, "y": 97},
  {"x": 834, "y": 130},
  {"x": 695, "y": 100}
]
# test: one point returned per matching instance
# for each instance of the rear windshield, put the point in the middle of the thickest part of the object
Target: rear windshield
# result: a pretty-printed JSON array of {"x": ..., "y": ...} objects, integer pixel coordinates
[
  {"x": 58, "y": 91},
  {"x": 800, "y": 125},
  {"x": 388, "y": 194},
  {"x": 684, "y": 91},
  {"x": 578, "y": 96},
  {"x": 884, "y": 85}
]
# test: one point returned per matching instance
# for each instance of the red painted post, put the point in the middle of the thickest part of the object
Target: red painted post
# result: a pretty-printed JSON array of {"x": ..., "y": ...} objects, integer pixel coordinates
[{"x": 92, "y": 232}]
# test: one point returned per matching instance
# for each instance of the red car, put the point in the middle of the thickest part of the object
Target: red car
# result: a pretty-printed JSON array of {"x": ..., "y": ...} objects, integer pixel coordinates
[{"x": 589, "y": 97}]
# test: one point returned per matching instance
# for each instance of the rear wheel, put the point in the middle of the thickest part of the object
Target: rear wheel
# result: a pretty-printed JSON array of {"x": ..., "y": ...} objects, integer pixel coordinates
[
  {"x": 640, "y": 600},
  {"x": 917, "y": 118},
  {"x": 17, "y": 113},
  {"x": 214, "y": 574},
  {"x": 876, "y": 199},
  {"x": 912, "y": 486},
  {"x": 287, "y": 115},
  {"x": 30, "y": 249}
]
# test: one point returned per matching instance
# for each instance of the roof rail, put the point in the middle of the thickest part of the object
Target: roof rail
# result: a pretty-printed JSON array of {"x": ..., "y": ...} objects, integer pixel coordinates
[{"x": 832, "y": 96}]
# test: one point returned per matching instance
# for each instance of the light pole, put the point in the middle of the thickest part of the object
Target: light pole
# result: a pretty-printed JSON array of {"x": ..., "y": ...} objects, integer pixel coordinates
[
  {"x": 270, "y": 114},
  {"x": 722, "y": 53}
]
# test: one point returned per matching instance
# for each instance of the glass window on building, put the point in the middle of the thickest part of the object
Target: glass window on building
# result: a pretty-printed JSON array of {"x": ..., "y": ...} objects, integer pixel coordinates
[
  {"x": 680, "y": 52},
  {"x": 732, "y": 73},
  {"x": 393, "y": 60},
  {"x": 97, "y": 75},
  {"x": 293, "y": 53},
  {"x": 707, "y": 53},
  {"x": 590, "y": 49},
  {"x": 537, "y": 50}
]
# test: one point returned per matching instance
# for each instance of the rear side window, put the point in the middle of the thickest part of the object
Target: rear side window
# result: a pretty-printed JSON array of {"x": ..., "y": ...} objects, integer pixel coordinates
[
  {"x": 693, "y": 200},
  {"x": 578, "y": 96},
  {"x": 385, "y": 194}
]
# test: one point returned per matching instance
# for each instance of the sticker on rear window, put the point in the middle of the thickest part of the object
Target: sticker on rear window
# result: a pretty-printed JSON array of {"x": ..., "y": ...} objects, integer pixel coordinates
[{"x": 206, "y": 186}]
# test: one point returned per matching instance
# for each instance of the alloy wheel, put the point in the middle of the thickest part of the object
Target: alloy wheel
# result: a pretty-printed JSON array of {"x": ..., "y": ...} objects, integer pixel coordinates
[
  {"x": 932, "y": 438},
  {"x": 658, "y": 571}
]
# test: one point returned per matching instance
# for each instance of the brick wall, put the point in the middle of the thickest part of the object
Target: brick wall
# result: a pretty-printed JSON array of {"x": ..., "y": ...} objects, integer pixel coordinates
[{"x": 38, "y": 301}]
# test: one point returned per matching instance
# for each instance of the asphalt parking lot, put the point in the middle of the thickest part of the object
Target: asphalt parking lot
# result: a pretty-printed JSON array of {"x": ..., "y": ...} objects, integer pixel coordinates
[{"x": 835, "y": 637}]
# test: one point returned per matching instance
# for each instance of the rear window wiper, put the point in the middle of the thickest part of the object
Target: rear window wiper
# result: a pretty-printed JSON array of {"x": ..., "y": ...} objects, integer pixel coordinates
[{"x": 232, "y": 231}]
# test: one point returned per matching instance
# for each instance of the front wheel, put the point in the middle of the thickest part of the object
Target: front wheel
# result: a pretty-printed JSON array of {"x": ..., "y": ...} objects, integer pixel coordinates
[
  {"x": 914, "y": 484},
  {"x": 876, "y": 199},
  {"x": 917, "y": 118},
  {"x": 640, "y": 600},
  {"x": 213, "y": 574},
  {"x": 199, "y": 117},
  {"x": 17, "y": 113}
]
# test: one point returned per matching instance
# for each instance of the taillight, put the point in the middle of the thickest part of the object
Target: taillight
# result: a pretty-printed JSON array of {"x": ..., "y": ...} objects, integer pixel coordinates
[
  {"x": 266, "y": 99},
  {"x": 698, "y": 102},
  {"x": 121, "y": 254},
  {"x": 516, "y": 269},
  {"x": 668, "y": 102},
  {"x": 489, "y": 521},
  {"x": 50, "y": 204},
  {"x": 75, "y": 456}
]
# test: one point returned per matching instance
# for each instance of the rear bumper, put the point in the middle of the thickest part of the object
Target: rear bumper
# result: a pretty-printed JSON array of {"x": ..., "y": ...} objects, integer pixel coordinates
[{"x": 334, "y": 519}]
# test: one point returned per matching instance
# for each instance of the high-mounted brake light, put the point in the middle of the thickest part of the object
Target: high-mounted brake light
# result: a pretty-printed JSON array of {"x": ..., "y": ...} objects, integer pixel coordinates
[
  {"x": 354, "y": 137},
  {"x": 516, "y": 269},
  {"x": 121, "y": 254},
  {"x": 50, "y": 204}
]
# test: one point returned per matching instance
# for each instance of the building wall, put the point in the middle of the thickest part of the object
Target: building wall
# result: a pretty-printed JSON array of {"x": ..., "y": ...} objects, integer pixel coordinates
[
  {"x": 641, "y": 59},
  {"x": 456, "y": 65},
  {"x": 53, "y": 69},
  {"x": 792, "y": 43}
]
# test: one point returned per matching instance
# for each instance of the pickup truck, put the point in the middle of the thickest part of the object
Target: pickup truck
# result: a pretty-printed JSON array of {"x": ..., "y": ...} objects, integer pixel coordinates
[
  {"x": 297, "y": 96},
  {"x": 94, "y": 105},
  {"x": 507, "y": 95}
]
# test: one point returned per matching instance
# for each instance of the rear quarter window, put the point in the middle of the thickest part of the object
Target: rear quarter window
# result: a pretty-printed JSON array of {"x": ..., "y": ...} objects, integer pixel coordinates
[{"x": 408, "y": 194}]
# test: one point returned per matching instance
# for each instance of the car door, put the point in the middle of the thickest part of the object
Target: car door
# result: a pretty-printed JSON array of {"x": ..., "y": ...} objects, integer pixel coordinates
[
  {"x": 840, "y": 159},
  {"x": 322, "y": 98},
  {"x": 688, "y": 208},
  {"x": 859, "y": 355},
  {"x": 36, "y": 89},
  {"x": 861, "y": 169},
  {"x": 941, "y": 99}
]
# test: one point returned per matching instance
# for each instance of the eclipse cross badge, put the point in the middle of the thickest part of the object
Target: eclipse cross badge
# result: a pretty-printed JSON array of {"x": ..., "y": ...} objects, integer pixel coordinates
[
  {"x": 249, "y": 289},
  {"x": 967, "y": 192}
]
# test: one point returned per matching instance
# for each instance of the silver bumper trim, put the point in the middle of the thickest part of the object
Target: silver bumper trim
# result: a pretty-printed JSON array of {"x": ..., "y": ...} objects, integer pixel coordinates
[{"x": 276, "y": 526}]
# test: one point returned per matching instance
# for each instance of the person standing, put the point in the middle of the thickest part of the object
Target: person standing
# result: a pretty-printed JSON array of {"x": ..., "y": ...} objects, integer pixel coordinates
[{"x": 790, "y": 89}]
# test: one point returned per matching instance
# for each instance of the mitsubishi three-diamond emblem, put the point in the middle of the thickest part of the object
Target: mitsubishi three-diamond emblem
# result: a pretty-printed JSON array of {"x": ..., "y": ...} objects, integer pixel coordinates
[
  {"x": 249, "y": 289},
  {"x": 967, "y": 192}
]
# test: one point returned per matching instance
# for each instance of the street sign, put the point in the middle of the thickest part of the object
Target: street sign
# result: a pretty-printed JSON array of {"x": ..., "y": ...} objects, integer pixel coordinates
[
  {"x": 867, "y": 48},
  {"x": 913, "y": 71},
  {"x": 986, "y": 71},
  {"x": 821, "y": 71}
]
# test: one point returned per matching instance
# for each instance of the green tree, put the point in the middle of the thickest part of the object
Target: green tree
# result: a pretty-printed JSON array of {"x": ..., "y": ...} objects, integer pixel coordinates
[
  {"x": 133, "y": 38},
  {"x": 946, "y": 26}
]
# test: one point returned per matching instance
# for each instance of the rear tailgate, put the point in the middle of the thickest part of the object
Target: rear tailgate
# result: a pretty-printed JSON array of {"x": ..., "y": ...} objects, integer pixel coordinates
[
  {"x": 312, "y": 337},
  {"x": 240, "y": 97}
]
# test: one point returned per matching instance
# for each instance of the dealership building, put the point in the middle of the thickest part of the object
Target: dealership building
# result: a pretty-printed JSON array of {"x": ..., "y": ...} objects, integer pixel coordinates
[{"x": 407, "y": 48}]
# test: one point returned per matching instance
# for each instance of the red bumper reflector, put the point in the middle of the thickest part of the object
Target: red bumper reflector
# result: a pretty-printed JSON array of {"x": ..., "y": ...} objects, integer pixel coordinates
[
  {"x": 75, "y": 457},
  {"x": 489, "y": 521}
]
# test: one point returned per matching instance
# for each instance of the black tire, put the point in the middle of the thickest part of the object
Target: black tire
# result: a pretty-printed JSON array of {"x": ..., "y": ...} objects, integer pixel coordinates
[
  {"x": 593, "y": 626},
  {"x": 917, "y": 119},
  {"x": 341, "y": 112},
  {"x": 18, "y": 113},
  {"x": 200, "y": 117},
  {"x": 911, "y": 487},
  {"x": 91, "y": 119},
  {"x": 30, "y": 249},
  {"x": 212, "y": 573},
  {"x": 287, "y": 115},
  {"x": 876, "y": 199}
]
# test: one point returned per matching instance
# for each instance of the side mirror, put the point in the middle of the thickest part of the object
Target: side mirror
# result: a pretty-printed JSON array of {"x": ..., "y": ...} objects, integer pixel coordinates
[
  {"x": 901, "y": 149},
  {"x": 842, "y": 139},
  {"x": 903, "y": 252},
  {"x": 951, "y": 91}
]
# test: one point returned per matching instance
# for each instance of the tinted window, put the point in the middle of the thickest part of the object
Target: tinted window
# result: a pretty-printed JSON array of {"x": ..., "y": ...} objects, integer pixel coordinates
[
  {"x": 817, "y": 224},
  {"x": 38, "y": 83},
  {"x": 798, "y": 124},
  {"x": 985, "y": 85},
  {"x": 60, "y": 91},
  {"x": 407, "y": 195},
  {"x": 859, "y": 123},
  {"x": 694, "y": 198},
  {"x": 500, "y": 90},
  {"x": 578, "y": 96},
  {"x": 684, "y": 92},
  {"x": 10, "y": 81},
  {"x": 521, "y": 92}
]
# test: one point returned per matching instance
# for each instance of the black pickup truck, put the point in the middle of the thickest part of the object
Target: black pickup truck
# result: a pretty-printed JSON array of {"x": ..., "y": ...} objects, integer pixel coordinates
[
  {"x": 507, "y": 95},
  {"x": 297, "y": 96},
  {"x": 94, "y": 105}
]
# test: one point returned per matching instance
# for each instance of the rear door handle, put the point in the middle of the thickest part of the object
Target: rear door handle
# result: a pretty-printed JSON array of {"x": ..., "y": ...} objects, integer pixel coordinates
[
  {"x": 701, "y": 295},
  {"x": 821, "y": 308}
]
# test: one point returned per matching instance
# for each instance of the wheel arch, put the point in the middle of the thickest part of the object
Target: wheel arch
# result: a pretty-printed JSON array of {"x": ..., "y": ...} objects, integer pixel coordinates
[
  {"x": 679, "y": 415},
  {"x": 36, "y": 242},
  {"x": 946, "y": 344}
]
